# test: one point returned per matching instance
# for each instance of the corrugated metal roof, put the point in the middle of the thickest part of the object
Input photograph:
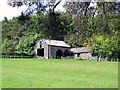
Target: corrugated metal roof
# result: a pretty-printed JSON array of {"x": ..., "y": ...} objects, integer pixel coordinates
[
  {"x": 79, "y": 50},
  {"x": 55, "y": 43}
]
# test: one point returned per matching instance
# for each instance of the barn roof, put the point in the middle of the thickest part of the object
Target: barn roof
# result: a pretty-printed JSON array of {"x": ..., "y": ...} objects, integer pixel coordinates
[
  {"x": 79, "y": 50},
  {"x": 55, "y": 43}
]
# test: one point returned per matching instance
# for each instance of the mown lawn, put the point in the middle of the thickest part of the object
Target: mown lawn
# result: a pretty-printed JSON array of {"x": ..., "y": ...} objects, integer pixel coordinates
[
  {"x": 41, "y": 73},
  {"x": 0, "y": 73}
]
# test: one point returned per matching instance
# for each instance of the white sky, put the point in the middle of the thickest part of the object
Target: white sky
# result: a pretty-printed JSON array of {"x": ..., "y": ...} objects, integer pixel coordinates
[{"x": 10, "y": 12}]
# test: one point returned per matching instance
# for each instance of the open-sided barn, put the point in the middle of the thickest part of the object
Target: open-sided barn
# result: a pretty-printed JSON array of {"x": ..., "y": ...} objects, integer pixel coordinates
[{"x": 51, "y": 49}]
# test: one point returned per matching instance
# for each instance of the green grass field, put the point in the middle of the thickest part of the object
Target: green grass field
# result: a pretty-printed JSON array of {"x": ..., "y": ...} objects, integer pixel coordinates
[{"x": 40, "y": 73}]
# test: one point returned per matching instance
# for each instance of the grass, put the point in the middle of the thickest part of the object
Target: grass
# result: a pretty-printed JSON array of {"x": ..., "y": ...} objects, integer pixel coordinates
[
  {"x": 0, "y": 73},
  {"x": 40, "y": 73}
]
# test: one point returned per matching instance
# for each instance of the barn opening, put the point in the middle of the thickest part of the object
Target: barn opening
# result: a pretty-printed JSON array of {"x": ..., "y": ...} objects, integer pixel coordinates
[
  {"x": 59, "y": 54},
  {"x": 66, "y": 53},
  {"x": 40, "y": 52}
]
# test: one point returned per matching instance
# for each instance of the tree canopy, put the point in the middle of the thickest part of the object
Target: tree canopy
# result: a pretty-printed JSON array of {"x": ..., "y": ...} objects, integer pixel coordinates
[
  {"x": 35, "y": 6},
  {"x": 95, "y": 26}
]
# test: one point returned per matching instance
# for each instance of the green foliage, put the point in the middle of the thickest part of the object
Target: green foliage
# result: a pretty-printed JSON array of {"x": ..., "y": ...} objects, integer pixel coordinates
[
  {"x": 56, "y": 26},
  {"x": 7, "y": 47},
  {"x": 22, "y": 29},
  {"x": 0, "y": 37},
  {"x": 105, "y": 46},
  {"x": 73, "y": 40},
  {"x": 38, "y": 21},
  {"x": 26, "y": 45},
  {"x": 82, "y": 24},
  {"x": 96, "y": 27}
]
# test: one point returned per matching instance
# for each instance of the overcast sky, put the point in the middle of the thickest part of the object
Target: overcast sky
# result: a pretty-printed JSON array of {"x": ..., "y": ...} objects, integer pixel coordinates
[{"x": 10, "y": 12}]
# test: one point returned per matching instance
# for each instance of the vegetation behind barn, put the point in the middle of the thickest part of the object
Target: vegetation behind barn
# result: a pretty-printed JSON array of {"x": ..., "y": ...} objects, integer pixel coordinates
[{"x": 96, "y": 27}]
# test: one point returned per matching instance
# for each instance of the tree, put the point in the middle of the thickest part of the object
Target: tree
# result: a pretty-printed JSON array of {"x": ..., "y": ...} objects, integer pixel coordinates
[
  {"x": 104, "y": 46},
  {"x": 94, "y": 25},
  {"x": 56, "y": 26},
  {"x": 0, "y": 38},
  {"x": 26, "y": 45},
  {"x": 17, "y": 28},
  {"x": 78, "y": 11},
  {"x": 6, "y": 47},
  {"x": 81, "y": 24},
  {"x": 35, "y": 6}
]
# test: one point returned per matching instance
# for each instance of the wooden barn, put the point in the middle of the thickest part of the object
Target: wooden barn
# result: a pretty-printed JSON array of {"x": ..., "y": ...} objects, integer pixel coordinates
[
  {"x": 51, "y": 49},
  {"x": 81, "y": 53}
]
